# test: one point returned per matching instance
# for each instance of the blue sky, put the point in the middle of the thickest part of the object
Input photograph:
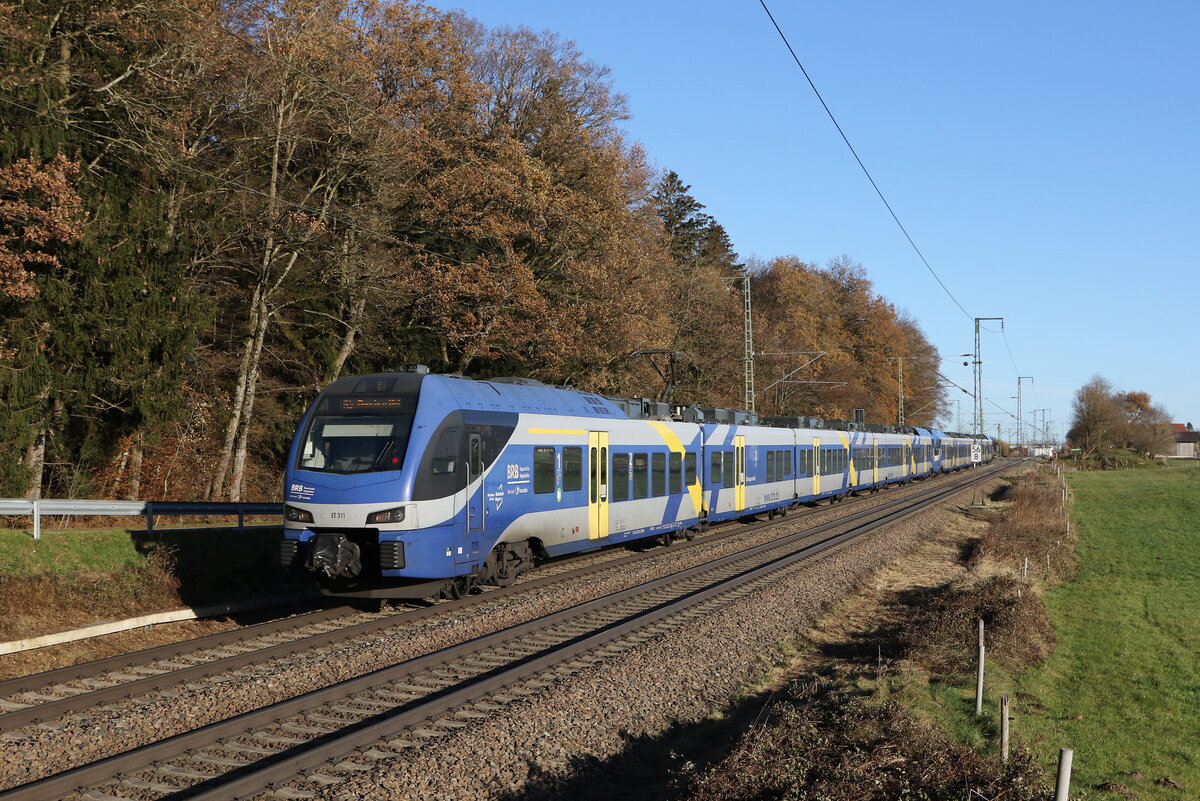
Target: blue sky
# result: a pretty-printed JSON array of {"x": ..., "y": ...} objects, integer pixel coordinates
[{"x": 1043, "y": 156}]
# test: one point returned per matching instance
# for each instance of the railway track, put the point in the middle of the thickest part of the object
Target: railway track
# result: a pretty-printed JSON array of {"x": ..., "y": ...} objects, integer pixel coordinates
[
  {"x": 432, "y": 696},
  {"x": 45, "y": 696}
]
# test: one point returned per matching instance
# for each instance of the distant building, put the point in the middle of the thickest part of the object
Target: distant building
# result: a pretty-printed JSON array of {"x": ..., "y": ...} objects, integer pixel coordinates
[{"x": 1187, "y": 442}]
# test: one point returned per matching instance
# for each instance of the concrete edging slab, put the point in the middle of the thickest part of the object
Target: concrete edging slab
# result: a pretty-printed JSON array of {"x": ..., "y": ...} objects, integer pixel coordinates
[{"x": 174, "y": 616}]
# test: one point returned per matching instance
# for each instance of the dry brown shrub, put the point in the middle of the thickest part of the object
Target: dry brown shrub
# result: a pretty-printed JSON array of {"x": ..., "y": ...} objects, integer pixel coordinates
[
  {"x": 823, "y": 743},
  {"x": 1032, "y": 526},
  {"x": 942, "y": 633}
]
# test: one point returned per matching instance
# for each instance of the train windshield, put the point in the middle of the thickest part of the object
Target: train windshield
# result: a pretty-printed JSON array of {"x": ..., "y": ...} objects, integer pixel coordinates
[{"x": 350, "y": 434}]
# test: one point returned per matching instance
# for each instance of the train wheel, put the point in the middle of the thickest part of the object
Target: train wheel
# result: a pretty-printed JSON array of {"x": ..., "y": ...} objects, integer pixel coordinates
[
  {"x": 459, "y": 587},
  {"x": 506, "y": 562},
  {"x": 666, "y": 538}
]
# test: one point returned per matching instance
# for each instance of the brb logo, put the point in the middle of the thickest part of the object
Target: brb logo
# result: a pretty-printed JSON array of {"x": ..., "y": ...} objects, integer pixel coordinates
[{"x": 299, "y": 492}]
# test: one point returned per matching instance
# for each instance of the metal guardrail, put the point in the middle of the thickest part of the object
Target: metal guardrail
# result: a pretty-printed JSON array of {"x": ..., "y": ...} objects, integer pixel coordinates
[{"x": 147, "y": 509}]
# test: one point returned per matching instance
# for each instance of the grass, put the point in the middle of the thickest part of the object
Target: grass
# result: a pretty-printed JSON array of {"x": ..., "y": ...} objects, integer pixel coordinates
[
  {"x": 73, "y": 578},
  {"x": 61, "y": 553},
  {"x": 1123, "y": 684}
]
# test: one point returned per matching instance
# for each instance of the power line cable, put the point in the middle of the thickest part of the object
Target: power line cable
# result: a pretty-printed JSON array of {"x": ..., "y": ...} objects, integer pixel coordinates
[
  {"x": 1011, "y": 359},
  {"x": 853, "y": 152}
]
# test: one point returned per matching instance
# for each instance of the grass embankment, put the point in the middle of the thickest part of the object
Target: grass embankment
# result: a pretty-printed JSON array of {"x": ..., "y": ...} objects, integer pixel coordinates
[
  {"x": 1123, "y": 684},
  {"x": 1098, "y": 645},
  {"x": 74, "y": 578},
  {"x": 864, "y": 728}
]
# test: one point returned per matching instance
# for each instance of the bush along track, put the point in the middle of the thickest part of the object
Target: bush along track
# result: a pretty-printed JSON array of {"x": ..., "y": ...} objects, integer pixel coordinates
[{"x": 879, "y": 703}]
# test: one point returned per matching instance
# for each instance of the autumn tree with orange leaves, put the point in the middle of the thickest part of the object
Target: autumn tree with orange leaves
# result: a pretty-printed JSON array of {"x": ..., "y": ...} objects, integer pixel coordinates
[{"x": 268, "y": 199}]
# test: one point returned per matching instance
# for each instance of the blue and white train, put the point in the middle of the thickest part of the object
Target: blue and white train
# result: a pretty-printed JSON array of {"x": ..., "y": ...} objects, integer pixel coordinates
[{"x": 408, "y": 485}]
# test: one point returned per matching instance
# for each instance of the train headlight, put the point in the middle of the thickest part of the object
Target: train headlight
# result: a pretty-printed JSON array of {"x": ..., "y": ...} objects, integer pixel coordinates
[
  {"x": 387, "y": 516},
  {"x": 297, "y": 515}
]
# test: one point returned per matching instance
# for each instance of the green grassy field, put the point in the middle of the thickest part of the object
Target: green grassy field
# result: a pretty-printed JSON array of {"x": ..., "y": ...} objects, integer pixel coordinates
[{"x": 1123, "y": 684}]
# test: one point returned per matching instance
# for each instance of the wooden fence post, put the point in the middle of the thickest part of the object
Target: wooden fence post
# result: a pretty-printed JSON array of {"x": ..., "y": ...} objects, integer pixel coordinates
[{"x": 1004, "y": 728}]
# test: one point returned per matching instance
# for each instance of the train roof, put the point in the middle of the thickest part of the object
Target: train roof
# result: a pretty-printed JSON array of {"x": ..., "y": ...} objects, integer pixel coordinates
[{"x": 527, "y": 395}]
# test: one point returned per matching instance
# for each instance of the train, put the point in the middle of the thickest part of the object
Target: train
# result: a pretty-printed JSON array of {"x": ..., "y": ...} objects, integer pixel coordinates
[{"x": 410, "y": 484}]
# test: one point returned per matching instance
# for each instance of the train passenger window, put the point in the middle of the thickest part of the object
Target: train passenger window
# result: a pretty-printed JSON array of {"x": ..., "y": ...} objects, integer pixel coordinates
[
  {"x": 658, "y": 474},
  {"x": 675, "y": 472},
  {"x": 641, "y": 483},
  {"x": 716, "y": 467},
  {"x": 619, "y": 491},
  {"x": 689, "y": 469},
  {"x": 730, "y": 469},
  {"x": 770, "y": 465},
  {"x": 572, "y": 478},
  {"x": 543, "y": 470},
  {"x": 787, "y": 463}
]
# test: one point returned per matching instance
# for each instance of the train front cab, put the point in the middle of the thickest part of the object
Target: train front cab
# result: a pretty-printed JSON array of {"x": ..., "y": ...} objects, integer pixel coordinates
[{"x": 384, "y": 487}]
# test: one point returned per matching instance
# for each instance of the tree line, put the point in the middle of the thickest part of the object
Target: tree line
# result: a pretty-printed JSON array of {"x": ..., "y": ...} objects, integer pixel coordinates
[
  {"x": 209, "y": 209},
  {"x": 1105, "y": 418}
]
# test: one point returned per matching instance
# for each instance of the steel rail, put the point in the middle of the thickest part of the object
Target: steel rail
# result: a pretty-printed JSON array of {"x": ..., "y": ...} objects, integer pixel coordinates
[
  {"x": 302, "y": 757},
  {"x": 96, "y": 667},
  {"x": 48, "y": 710}
]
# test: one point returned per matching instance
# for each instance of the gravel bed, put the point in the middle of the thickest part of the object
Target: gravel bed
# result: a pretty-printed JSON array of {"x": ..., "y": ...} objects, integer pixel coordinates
[
  {"x": 46, "y": 748},
  {"x": 556, "y": 743}
]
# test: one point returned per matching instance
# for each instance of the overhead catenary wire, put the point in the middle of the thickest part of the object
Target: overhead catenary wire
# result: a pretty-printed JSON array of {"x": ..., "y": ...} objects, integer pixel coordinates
[
  {"x": 861, "y": 165},
  {"x": 966, "y": 391}
]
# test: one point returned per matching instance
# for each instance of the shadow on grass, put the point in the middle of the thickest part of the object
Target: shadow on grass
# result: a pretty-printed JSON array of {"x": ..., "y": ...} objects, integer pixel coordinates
[{"x": 222, "y": 565}]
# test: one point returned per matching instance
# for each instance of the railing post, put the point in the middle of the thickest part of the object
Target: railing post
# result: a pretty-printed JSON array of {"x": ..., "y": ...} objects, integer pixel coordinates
[
  {"x": 149, "y": 517},
  {"x": 241, "y": 518},
  {"x": 37, "y": 519}
]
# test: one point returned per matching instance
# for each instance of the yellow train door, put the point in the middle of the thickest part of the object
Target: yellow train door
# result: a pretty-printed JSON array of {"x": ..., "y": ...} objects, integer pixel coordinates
[
  {"x": 816, "y": 465},
  {"x": 597, "y": 485},
  {"x": 739, "y": 492}
]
